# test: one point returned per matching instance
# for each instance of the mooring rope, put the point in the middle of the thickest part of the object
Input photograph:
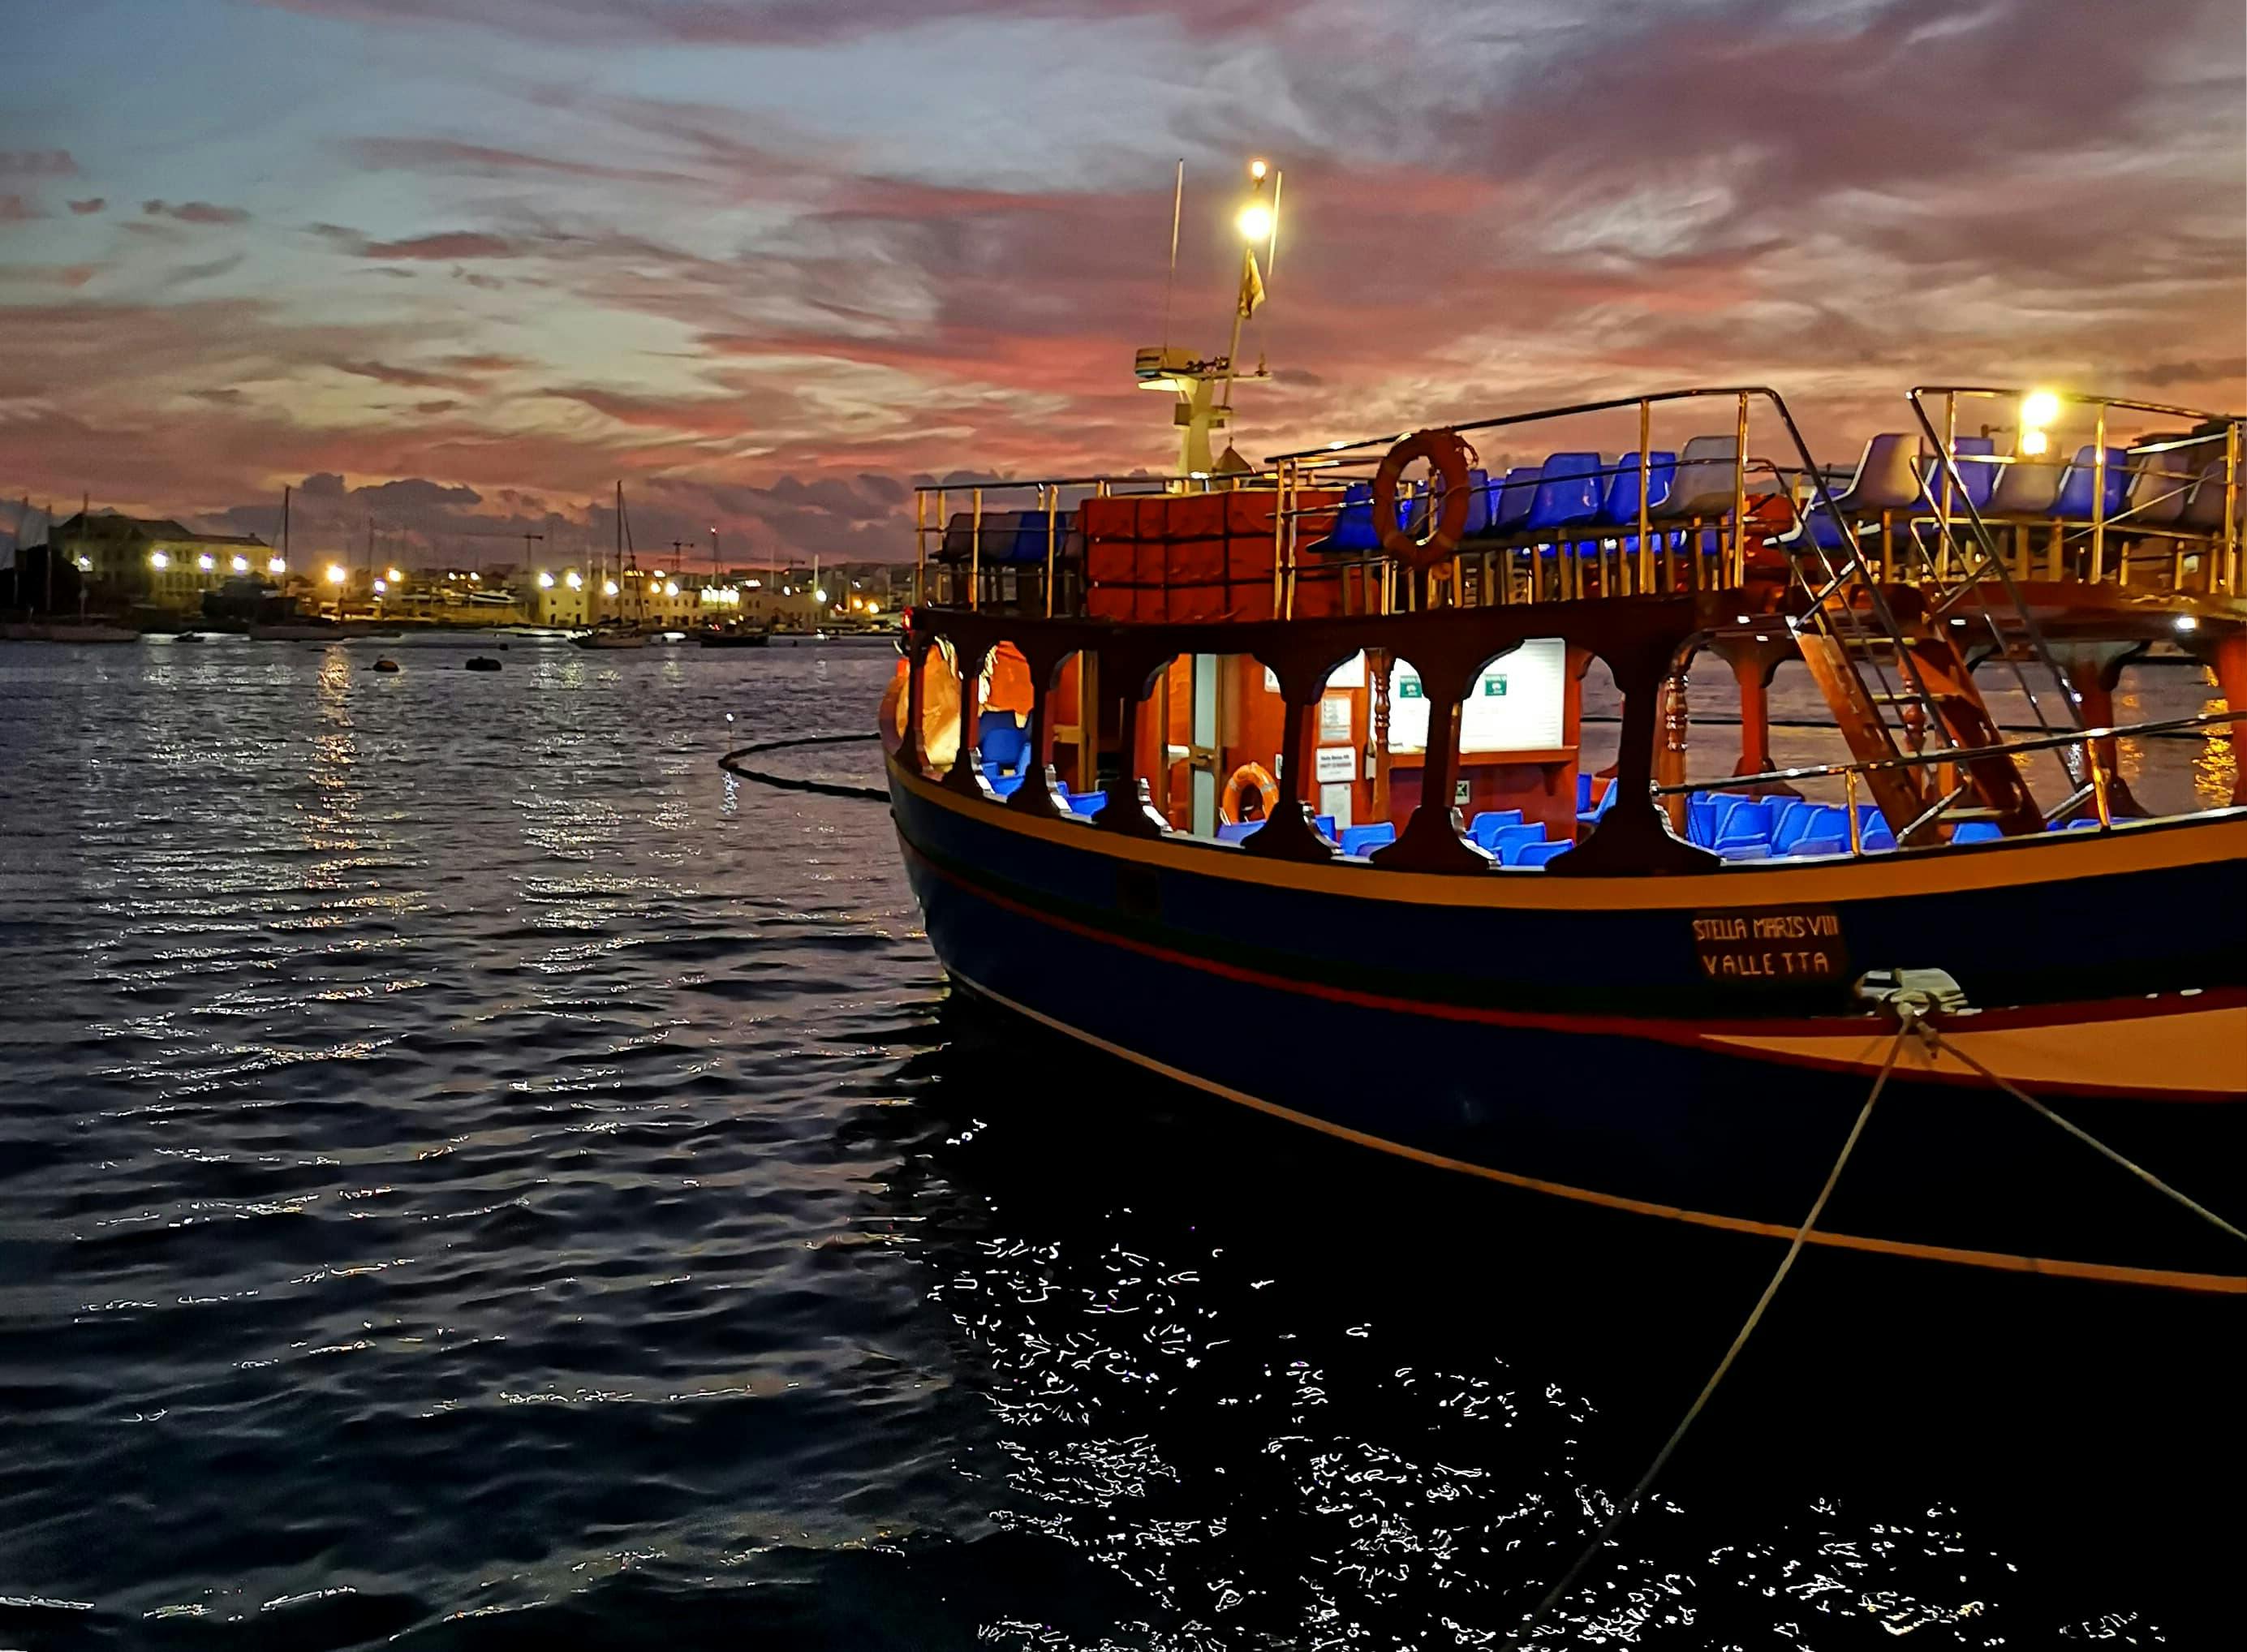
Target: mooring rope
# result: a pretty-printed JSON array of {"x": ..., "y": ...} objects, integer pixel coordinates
[
  {"x": 1936, "y": 1041},
  {"x": 731, "y": 763},
  {"x": 1630, "y": 1505}
]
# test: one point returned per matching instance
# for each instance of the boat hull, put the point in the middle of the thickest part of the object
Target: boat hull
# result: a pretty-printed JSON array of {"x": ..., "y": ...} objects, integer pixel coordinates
[{"x": 1549, "y": 1033}]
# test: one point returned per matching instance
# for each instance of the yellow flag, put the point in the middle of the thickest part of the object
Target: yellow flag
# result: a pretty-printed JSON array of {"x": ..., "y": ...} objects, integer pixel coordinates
[{"x": 1251, "y": 286}]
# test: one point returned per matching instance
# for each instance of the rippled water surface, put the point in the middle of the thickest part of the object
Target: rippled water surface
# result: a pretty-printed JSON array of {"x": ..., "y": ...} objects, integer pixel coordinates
[{"x": 471, "y": 1175}]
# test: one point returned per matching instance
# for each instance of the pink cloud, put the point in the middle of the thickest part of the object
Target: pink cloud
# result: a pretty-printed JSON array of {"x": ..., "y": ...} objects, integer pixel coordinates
[
  {"x": 84, "y": 208},
  {"x": 36, "y": 163},
  {"x": 194, "y": 212}
]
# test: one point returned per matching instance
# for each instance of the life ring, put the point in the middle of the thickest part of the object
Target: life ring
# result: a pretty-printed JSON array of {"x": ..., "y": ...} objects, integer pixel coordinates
[
  {"x": 1228, "y": 802},
  {"x": 1448, "y": 455}
]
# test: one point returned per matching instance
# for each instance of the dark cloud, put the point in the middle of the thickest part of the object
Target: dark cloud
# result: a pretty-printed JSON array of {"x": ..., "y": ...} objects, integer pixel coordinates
[
  {"x": 84, "y": 208},
  {"x": 446, "y": 246},
  {"x": 443, "y": 155},
  {"x": 36, "y": 163},
  {"x": 200, "y": 212}
]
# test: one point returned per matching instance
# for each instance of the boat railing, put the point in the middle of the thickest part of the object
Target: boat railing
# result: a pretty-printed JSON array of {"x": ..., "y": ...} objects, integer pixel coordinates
[
  {"x": 932, "y": 513},
  {"x": 2083, "y": 742},
  {"x": 2215, "y": 438}
]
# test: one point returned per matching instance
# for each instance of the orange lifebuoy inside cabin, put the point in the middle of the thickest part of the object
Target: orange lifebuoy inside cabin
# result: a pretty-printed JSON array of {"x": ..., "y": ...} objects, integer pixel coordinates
[{"x": 1248, "y": 775}]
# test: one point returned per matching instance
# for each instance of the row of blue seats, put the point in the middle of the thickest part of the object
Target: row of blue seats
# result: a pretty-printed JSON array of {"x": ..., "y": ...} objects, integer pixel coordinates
[
  {"x": 1740, "y": 827},
  {"x": 1008, "y": 536},
  {"x": 2154, "y": 490},
  {"x": 1569, "y": 489}
]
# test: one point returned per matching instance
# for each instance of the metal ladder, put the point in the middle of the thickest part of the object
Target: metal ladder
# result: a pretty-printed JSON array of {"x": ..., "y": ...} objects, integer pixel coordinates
[{"x": 1882, "y": 652}]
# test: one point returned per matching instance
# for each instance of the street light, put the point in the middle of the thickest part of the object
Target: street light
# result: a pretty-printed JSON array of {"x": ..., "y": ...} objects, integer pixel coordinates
[
  {"x": 394, "y": 576},
  {"x": 159, "y": 561},
  {"x": 276, "y": 566},
  {"x": 241, "y": 565},
  {"x": 572, "y": 579},
  {"x": 336, "y": 575}
]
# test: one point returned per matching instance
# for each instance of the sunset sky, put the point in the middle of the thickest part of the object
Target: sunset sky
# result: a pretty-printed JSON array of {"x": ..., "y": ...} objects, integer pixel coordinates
[{"x": 768, "y": 260}]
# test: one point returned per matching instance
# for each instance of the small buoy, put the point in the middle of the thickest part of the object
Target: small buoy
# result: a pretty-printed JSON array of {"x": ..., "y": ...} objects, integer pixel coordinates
[
  {"x": 385, "y": 664},
  {"x": 482, "y": 662}
]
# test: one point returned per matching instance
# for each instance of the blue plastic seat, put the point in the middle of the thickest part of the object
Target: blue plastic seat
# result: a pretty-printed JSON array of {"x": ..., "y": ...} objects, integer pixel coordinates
[
  {"x": 1567, "y": 491},
  {"x": 2072, "y": 502},
  {"x": 1587, "y": 816},
  {"x": 1976, "y": 832},
  {"x": 1747, "y": 828},
  {"x": 1619, "y": 499},
  {"x": 1515, "y": 495},
  {"x": 1976, "y": 479},
  {"x": 1506, "y": 840},
  {"x": 1006, "y": 785},
  {"x": 1488, "y": 824},
  {"x": 1326, "y": 826},
  {"x": 1233, "y": 831},
  {"x": 1538, "y": 854},
  {"x": 1802, "y": 818},
  {"x": 1583, "y": 790},
  {"x": 1723, "y": 804},
  {"x": 1804, "y": 848},
  {"x": 1701, "y": 818},
  {"x": 1364, "y": 840},
  {"x": 1876, "y": 834},
  {"x": 1088, "y": 804},
  {"x": 1030, "y": 536},
  {"x": 1353, "y": 527},
  {"x": 1000, "y": 742}
]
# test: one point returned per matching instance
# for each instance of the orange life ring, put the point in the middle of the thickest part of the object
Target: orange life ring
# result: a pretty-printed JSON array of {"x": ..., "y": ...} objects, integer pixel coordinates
[
  {"x": 1448, "y": 455},
  {"x": 1228, "y": 802}
]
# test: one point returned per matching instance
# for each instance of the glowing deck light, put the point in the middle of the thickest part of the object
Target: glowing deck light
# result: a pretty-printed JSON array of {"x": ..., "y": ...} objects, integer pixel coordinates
[
  {"x": 2187, "y": 622},
  {"x": 2034, "y": 442},
  {"x": 1254, "y": 222},
  {"x": 159, "y": 561},
  {"x": 1257, "y": 169},
  {"x": 336, "y": 575},
  {"x": 2039, "y": 407}
]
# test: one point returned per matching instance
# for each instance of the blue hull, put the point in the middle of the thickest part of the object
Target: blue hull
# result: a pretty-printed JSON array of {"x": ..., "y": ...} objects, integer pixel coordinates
[{"x": 1547, "y": 1051}]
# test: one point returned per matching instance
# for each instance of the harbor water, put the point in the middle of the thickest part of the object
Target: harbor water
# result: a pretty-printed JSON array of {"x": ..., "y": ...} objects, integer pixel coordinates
[{"x": 472, "y": 1175}]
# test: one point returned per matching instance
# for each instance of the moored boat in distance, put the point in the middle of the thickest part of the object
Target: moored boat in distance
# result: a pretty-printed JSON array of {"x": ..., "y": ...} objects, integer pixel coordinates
[{"x": 1272, "y": 780}]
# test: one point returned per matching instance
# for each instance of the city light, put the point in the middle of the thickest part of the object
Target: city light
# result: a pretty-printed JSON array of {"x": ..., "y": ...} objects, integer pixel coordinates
[
  {"x": 572, "y": 580},
  {"x": 241, "y": 565},
  {"x": 672, "y": 588},
  {"x": 159, "y": 561},
  {"x": 86, "y": 564},
  {"x": 545, "y": 582},
  {"x": 657, "y": 574},
  {"x": 206, "y": 562},
  {"x": 608, "y": 588},
  {"x": 819, "y": 596},
  {"x": 336, "y": 575},
  {"x": 394, "y": 576},
  {"x": 381, "y": 585},
  {"x": 276, "y": 566}
]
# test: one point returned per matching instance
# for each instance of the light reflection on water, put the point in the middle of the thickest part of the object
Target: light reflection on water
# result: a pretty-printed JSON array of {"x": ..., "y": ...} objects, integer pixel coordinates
[{"x": 462, "y": 1155}]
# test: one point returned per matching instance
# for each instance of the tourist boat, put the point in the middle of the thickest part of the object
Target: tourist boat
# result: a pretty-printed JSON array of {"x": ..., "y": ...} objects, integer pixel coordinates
[
  {"x": 611, "y": 636},
  {"x": 1273, "y": 780},
  {"x": 733, "y": 637}
]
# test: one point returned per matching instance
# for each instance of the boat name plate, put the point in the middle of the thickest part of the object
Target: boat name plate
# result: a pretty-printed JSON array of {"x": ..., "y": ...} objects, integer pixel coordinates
[{"x": 1771, "y": 946}]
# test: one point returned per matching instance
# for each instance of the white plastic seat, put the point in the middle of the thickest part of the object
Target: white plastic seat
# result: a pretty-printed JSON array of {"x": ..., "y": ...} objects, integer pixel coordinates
[
  {"x": 2026, "y": 487},
  {"x": 2204, "y": 510},
  {"x": 1887, "y": 478},
  {"x": 1703, "y": 486},
  {"x": 2159, "y": 482}
]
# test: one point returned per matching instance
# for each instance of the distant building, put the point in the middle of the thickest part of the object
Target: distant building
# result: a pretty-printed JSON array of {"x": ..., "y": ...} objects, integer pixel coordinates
[{"x": 153, "y": 562}]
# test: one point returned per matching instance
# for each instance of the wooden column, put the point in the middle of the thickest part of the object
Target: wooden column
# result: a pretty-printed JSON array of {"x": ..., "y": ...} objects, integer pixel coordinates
[
  {"x": 1292, "y": 833},
  {"x": 1755, "y": 658},
  {"x": 2093, "y": 670},
  {"x": 1035, "y": 795},
  {"x": 966, "y": 775},
  {"x": 2227, "y": 657},
  {"x": 1431, "y": 841},
  {"x": 1129, "y": 811},
  {"x": 1634, "y": 836}
]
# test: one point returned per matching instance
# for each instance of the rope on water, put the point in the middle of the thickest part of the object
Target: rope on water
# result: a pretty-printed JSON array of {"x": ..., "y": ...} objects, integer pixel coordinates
[
  {"x": 731, "y": 762},
  {"x": 1630, "y": 1505},
  {"x": 1936, "y": 1041}
]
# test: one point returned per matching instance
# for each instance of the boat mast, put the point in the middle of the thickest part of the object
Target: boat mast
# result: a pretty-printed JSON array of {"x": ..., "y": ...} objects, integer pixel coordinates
[{"x": 1203, "y": 388}]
